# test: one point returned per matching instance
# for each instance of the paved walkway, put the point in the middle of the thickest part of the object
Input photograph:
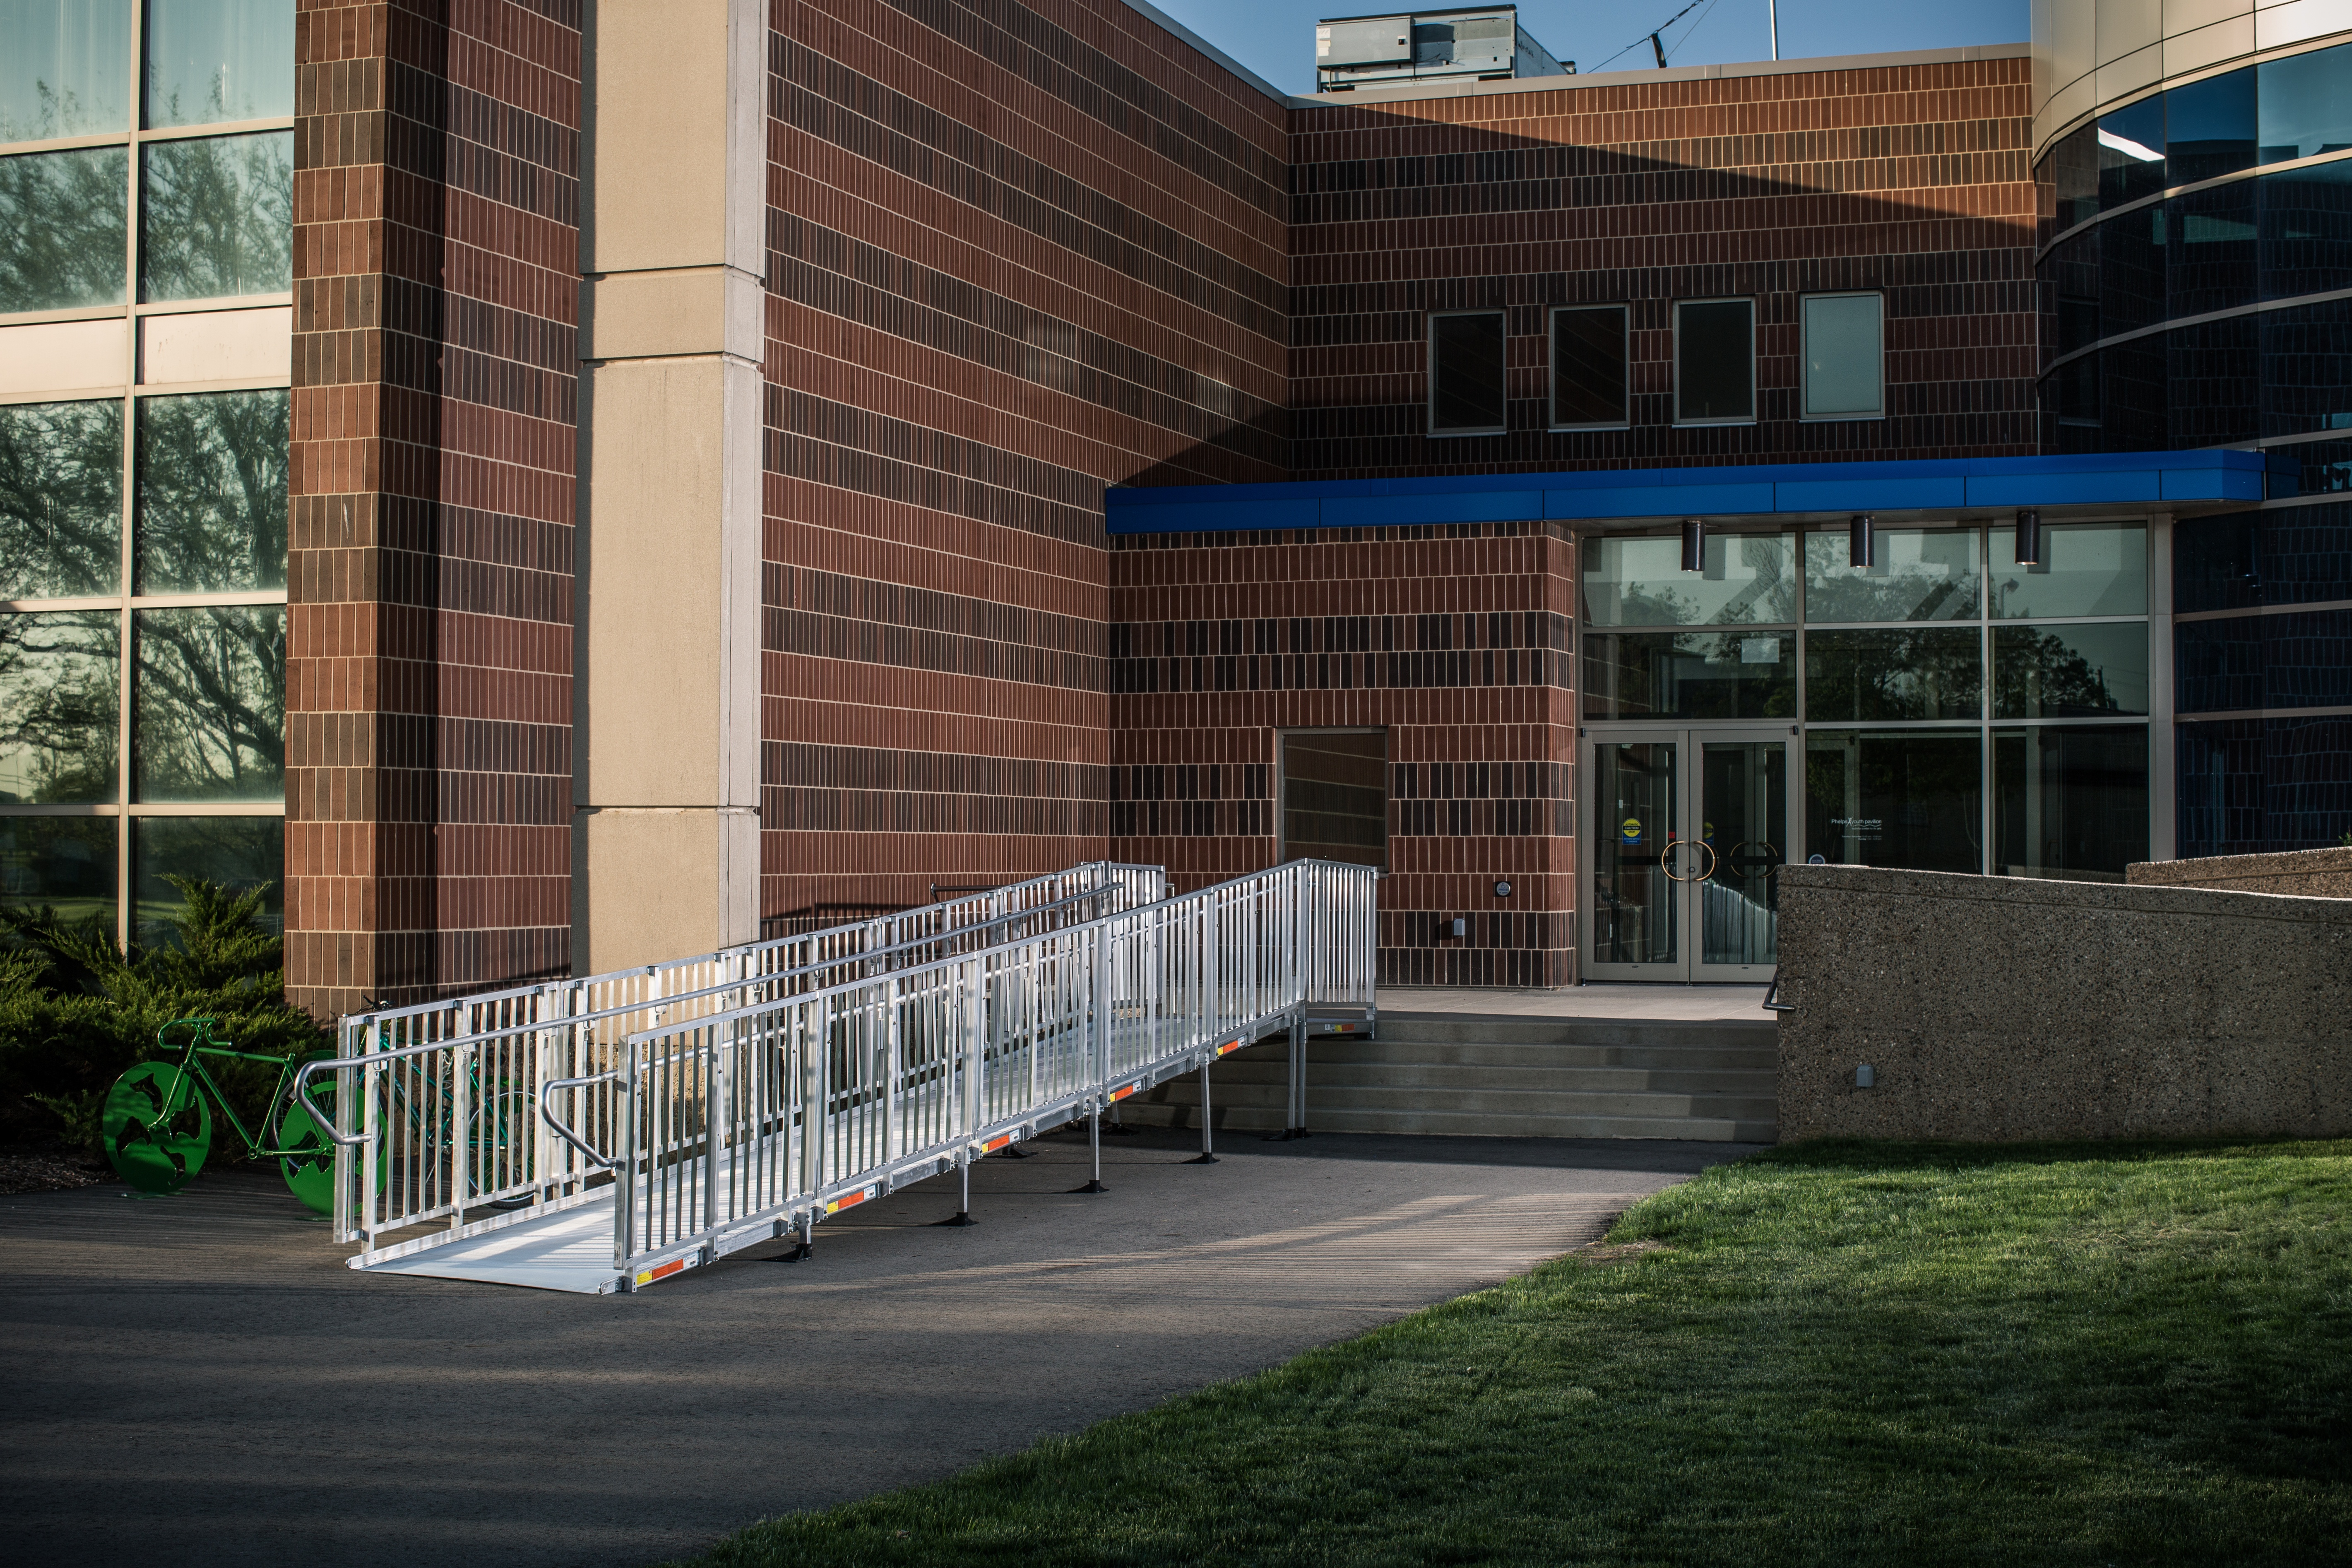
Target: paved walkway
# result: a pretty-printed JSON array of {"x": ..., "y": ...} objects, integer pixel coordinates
[
  {"x": 1676, "y": 1004},
  {"x": 203, "y": 1370}
]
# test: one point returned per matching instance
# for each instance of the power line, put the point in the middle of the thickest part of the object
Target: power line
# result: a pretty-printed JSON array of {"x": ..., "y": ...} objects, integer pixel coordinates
[{"x": 1652, "y": 33}]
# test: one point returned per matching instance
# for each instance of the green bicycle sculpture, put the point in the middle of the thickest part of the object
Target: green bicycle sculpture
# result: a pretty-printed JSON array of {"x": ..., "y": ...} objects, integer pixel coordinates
[{"x": 158, "y": 1121}]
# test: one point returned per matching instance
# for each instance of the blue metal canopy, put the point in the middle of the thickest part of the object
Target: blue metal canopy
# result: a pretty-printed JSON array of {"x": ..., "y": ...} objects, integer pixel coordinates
[{"x": 1935, "y": 485}]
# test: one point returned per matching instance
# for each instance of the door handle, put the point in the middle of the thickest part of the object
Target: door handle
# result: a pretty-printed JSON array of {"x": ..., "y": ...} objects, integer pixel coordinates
[{"x": 1666, "y": 859}]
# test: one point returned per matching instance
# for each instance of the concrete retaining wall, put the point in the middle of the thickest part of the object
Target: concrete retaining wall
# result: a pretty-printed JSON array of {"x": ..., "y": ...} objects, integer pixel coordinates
[
  {"x": 1995, "y": 1007},
  {"x": 2305, "y": 873}
]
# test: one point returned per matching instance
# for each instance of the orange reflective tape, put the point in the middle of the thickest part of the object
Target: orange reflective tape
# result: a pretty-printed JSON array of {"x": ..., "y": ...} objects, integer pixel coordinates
[
  {"x": 994, "y": 1144},
  {"x": 1229, "y": 1045},
  {"x": 663, "y": 1272},
  {"x": 1118, "y": 1094}
]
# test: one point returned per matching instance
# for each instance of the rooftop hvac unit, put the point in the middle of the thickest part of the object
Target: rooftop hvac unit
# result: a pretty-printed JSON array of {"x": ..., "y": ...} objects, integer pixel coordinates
[{"x": 1428, "y": 46}]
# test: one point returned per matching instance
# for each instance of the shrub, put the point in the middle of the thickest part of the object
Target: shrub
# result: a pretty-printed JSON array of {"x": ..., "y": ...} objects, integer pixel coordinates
[{"x": 76, "y": 1010}]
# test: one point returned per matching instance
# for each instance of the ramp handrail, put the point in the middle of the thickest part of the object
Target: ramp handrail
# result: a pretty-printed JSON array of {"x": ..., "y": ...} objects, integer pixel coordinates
[
  {"x": 442, "y": 1100},
  {"x": 736, "y": 1126}
]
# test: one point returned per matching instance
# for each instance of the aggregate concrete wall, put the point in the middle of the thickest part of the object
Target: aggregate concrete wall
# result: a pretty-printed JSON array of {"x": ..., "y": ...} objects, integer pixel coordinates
[
  {"x": 1995, "y": 1008},
  {"x": 2303, "y": 873}
]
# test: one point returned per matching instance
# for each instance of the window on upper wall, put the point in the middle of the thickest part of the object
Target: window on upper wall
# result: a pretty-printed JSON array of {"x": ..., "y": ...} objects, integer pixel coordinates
[
  {"x": 1465, "y": 373},
  {"x": 1588, "y": 367},
  {"x": 1715, "y": 362},
  {"x": 2303, "y": 107},
  {"x": 1844, "y": 356}
]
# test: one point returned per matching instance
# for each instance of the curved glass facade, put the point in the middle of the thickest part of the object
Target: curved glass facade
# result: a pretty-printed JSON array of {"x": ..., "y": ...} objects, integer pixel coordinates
[{"x": 2196, "y": 272}]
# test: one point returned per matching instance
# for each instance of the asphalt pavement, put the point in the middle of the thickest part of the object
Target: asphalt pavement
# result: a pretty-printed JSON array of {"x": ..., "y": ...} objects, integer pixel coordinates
[{"x": 201, "y": 1377}]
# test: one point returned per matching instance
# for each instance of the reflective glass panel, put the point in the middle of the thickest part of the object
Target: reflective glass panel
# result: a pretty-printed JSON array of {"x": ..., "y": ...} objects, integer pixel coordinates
[
  {"x": 2212, "y": 374},
  {"x": 2131, "y": 153},
  {"x": 2307, "y": 231},
  {"x": 216, "y": 217},
  {"x": 2209, "y": 128},
  {"x": 60, "y": 499},
  {"x": 2073, "y": 170},
  {"x": 1744, "y": 820},
  {"x": 1636, "y": 796},
  {"x": 2306, "y": 378},
  {"x": 1911, "y": 799},
  {"x": 1335, "y": 797},
  {"x": 211, "y": 492},
  {"x": 2210, "y": 249},
  {"x": 65, "y": 862},
  {"x": 1843, "y": 357},
  {"x": 208, "y": 703},
  {"x": 62, "y": 229},
  {"x": 1919, "y": 574},
  {"x": 2131, "y": 270},
  {"x": 65, "y": 68},
  {"x": 60, "y": 707},
  {"x": 1714, "y": 360},
  {"x": 240, "y": 853},
  {"x": 214, "y": 60},
  {"x": 2070, "y": 801},
  {"x": 1465, "y": 372},
  {"x": 2307, "y": 105},
  {"x": 2087, "y": 569},
  {"x": 2070, "y": 672},
  {"x": 1907, "y": 672},
  {"x": 1702, "y": 675},
  {"x": 1588, "y": 366},
  {"x": 1748, "y": 580}
]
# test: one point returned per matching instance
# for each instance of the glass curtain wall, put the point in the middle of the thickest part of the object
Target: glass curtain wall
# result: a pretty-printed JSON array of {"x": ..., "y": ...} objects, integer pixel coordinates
[
  {"x": 1959, "y": 711},
  {"x": 2224, "y": 206},
  {"x": 146, "y": 184}
]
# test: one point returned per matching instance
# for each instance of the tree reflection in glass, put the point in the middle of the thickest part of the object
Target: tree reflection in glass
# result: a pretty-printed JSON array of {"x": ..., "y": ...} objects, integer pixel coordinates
[
  {"x": 62, "y": 224},
  {"x": 2069, "y": 672},
  {"x": 216, "y": 217},
  {"x": 60, "y": 499},
  {"x": 60, "y": 703},
  {"x": 1921, "y": 575},
  {"x": 211, "y": 492},
  {"x": 215, "y": 61},
  {"x": 64, "y": 862},
  {"x": 63, "y": 68},
  {"x": 1902, "y": 672},
  {"x": 208, "y": 710},
  {"x": 1638, "y": 581}
]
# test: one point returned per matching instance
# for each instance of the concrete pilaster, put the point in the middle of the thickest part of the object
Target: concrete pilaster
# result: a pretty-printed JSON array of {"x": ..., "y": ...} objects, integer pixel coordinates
[{"x": 666, "y": 836}]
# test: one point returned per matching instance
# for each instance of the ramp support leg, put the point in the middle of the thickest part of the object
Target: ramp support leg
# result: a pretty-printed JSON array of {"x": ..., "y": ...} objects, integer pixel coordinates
[
  {"x": 963, "y": 1208},
  {"x": 1206, "y": 1157},
  {"x": 1094, "y": 1143}
]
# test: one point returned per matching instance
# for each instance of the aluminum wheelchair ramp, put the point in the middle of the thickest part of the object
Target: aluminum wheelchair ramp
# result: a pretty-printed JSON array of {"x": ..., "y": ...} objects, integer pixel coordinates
[{"x": 740, "y": 1098}]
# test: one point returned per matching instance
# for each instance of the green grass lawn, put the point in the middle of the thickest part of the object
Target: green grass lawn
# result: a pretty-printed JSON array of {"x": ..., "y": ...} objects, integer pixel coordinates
[{"x": 1835, "y": 1353}]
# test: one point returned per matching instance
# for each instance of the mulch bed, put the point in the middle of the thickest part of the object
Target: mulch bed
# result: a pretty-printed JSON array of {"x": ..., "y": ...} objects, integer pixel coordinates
[{"x": 48, "y": 1170}]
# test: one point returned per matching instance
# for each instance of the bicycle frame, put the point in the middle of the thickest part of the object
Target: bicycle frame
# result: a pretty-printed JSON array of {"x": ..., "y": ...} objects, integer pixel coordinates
[{"x": 190, "y": 1062}]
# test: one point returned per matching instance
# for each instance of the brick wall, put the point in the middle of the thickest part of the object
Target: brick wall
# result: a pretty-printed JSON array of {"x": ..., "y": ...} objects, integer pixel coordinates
[
  {"x": 1457, "y": 641},
  {"x": 1912, "y": 180},
  {"x": 1017, "y": 252},
  {"x": 428, "y": 703}
]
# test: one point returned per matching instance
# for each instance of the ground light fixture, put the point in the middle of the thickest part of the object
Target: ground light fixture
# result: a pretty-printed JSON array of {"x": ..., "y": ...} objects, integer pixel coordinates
[
  {"x": 2029, "y": 537},
  {"x": 1694, "y": 544},
  {"x": 1862, "y": 543}
]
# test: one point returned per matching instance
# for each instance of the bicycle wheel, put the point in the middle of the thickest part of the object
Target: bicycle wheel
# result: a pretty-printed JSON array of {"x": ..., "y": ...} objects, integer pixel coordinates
[
  {"x": 310, "y": 1171},
  {"x": 157, "y": 1127}
]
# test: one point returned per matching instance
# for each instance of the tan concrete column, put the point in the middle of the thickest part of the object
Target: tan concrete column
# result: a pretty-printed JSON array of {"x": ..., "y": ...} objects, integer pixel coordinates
[{"x": 665, "y": 704}]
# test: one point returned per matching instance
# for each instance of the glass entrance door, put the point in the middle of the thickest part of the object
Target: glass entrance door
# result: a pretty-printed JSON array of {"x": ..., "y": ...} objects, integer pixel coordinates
[{"x": 1689, "y": 829}]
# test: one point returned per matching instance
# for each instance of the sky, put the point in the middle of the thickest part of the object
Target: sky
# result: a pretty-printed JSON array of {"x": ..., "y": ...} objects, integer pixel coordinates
[{"x": 1275, "y": 38}]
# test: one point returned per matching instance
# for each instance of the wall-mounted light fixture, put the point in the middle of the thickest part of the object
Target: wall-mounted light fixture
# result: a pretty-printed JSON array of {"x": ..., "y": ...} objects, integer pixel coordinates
[
  {"x": 1694, "y": 544},
  {"x": 1862, "y": 543},
  {"x": 1502, "y": 889},
  {"x": 2029, "y": 537}
]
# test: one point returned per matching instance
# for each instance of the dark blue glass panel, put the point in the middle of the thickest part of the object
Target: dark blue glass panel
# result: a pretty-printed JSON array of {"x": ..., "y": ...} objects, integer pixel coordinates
[
  {"x": 2213, "y": 562},
  {"x": 2307, "y": 371},
  {"x": 2310, "y": 469},
  {"x": 2131, "y": 270},
  {"x": 2307, "y": 231},
  {"x": 2214, "y": 371},
  {"x": 2252, "y": 786},
  {"x": 2131, "y": 153},
  {"x": 2133, "y": 396},
  {"x": 2072, "y": 169},
  {"x": 2304, "y": 555},
  {"x": 2209, "y": 128},
  {"x": 2209, "y": 240},
  {"x": 2307, "y": 105},
  {"x": 2301, "y": 660}
]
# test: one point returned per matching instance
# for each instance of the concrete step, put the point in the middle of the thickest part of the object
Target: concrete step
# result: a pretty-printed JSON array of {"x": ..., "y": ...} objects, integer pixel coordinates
[{"x": 1500, "y": 1077}]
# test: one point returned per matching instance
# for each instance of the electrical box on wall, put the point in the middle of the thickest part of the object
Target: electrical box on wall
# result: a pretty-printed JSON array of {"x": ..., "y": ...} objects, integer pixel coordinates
[{"x": 1483, "y": 45}]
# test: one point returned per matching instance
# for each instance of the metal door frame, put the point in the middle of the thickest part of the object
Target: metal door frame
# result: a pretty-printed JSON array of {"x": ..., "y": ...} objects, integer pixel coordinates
[{"x": 1689, "y": 740}]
